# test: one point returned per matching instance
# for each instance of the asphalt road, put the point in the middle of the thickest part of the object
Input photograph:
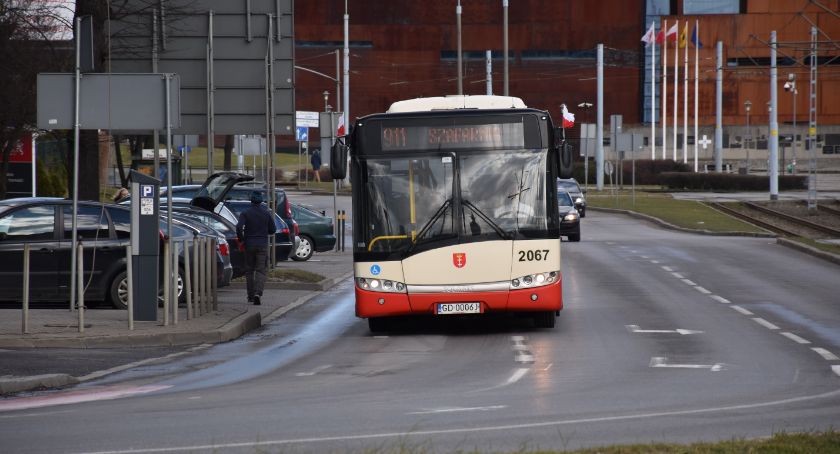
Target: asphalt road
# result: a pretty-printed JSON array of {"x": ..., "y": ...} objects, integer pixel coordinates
[{"x": 665, "y": 336}]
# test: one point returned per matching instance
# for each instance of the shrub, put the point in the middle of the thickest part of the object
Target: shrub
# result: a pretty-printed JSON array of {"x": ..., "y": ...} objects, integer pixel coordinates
[{"x": 727, "y": 181}]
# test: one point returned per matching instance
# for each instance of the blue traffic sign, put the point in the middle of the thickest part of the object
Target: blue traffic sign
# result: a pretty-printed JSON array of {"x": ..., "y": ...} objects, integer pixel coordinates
[{"x": 302, "y": 133}]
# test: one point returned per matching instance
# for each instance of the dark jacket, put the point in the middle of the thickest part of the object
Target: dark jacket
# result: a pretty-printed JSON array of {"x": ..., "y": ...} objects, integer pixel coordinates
[
  {"x": 254, "y": 226},
  {"x": 316, "y": 160}
]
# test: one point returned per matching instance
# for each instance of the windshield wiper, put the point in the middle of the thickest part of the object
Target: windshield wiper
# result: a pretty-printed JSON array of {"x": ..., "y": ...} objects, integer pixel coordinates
[
  {"x": 486, "y": 219},
  {"x": 428, "y": 225}
]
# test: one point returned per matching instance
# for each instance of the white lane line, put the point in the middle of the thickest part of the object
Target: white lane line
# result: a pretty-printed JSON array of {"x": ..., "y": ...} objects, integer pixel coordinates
[
  {"x": 702, "y": 290},
  {"x": 457, "y": 409},
  {"x": 517, "y": 375},
  {"x": 795, "y": 338},
  {"x": 660, "y": 361},
  {"x": 677, "y": 275},
  {"x": 827, "y": 355},
  {"x": 524, "y": 357},
  {"x": 741, "y": 310},
  {"x": 667, "y": 268},
  {"x": 636, "y": 329},
  {"x": 475, "y": 429},
  {"x": 720, "y": 299},
  {"x": 689, "y": 282},
  {"x": 765, "y": 323},
  {"x": 654, "y": 262},
  {"x": 313, "y": 371},
  {"x": 836, "y": 369},
  {"x": 644, "y": 257}
]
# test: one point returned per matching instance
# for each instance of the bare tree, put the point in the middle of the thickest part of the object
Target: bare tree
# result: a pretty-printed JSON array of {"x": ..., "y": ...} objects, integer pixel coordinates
[{"x": 28, "y": 45}]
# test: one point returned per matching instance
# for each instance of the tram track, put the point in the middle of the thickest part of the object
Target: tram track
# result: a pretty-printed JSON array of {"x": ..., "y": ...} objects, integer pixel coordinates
[{"x": 780, "y": 222}]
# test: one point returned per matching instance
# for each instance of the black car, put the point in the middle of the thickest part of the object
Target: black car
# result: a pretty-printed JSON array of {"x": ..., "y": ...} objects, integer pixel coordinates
[
  {"x": 283, "y": 237},
  {"x": 221, "y": 225},
  {"x": 46, "y": 224},
  {"x": 317, "y": 232},
  {"x": 571, "y": 186},
  {"x": 569, "y": 217}
]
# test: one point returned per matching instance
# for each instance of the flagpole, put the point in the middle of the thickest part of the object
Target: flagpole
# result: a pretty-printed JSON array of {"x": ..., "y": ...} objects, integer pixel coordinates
[
  {"x": 676, "y": 85},
  {"x": 664, "y": 89},
  {"x": 696, "y": 76},
  {"x": 685, "y": 96},
  {"x": 653, "y": 93}
]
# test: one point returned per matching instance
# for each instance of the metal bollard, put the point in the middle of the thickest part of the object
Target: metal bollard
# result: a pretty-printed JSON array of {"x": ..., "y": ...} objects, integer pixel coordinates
[
  {"x": 208, "y": 276},
  {"x": 129, "y": 278},
  {"x": 166, "y": 269},
  {"x": 80, "y": 288},
  {"x": 198, "y": 253},
  {"x": 25, "y": 318},
  {"x": 214, "y": 281},
  {"x": 343, "y": 228},
  {"x": 187, "y": 281},
  {"x": 173, "y": 286}
]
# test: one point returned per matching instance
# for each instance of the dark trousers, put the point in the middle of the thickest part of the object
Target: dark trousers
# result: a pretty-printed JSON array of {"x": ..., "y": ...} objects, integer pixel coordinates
[{"x": 256, "y": 262}]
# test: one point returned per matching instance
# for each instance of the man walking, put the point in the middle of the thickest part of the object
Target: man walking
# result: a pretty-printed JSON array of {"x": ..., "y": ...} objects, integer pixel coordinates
[{"x": 254, "y": 226}]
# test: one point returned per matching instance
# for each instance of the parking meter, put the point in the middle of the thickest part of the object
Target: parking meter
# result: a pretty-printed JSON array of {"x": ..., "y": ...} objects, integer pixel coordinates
[{"x": 145, "y": 242}]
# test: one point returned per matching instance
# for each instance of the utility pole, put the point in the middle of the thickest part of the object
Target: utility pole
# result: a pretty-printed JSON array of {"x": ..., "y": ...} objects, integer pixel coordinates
[
  {"x": 505, "y": 46},
  {"x": 460, "y": 58},
  {"x": 773, "y": 169},
  {"x": 812, "y": 126},
  {"x": 599, "y": 129},
  {"x": 718, "y": 110}
]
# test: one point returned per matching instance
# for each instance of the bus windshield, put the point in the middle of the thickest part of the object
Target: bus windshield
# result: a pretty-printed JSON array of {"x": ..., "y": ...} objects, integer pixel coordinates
[{"x": 419, "y": 202}]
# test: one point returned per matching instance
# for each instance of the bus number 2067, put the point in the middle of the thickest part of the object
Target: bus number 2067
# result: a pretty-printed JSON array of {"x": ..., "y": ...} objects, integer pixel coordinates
[{"x": 533, "y": 255}]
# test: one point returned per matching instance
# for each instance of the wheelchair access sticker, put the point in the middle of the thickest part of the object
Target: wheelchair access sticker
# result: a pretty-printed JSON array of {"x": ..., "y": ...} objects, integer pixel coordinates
[{"x": 375, "y": 270}]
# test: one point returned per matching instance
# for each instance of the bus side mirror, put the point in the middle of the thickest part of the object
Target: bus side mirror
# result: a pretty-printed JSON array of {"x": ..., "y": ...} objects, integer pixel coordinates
[
  {"x": 564, "y": 160},
  {"x": 338, "y": 160}
]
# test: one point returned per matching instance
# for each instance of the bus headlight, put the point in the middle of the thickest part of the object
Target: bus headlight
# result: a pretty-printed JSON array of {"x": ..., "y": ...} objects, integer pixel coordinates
[
  {"x": 380, "y": 285},
  {"x": 534, "y": 280}
]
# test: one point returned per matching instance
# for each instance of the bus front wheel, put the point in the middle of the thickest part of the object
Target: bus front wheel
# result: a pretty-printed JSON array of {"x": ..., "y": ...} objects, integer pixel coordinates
[
  {"x": 377, "y": 324},
  {"x": 545, "y": 319}
]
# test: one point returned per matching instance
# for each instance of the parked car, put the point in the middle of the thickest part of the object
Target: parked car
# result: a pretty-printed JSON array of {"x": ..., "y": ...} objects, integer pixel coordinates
[
  {"x": 46, "y": 224},
  {"x": 569, "y": 217},
  {"x": 317, "y": 232},
  {"x": 571, "y": 186},
  {"x": 283, "y": 238},
  {"x": 221, "y": 225}
]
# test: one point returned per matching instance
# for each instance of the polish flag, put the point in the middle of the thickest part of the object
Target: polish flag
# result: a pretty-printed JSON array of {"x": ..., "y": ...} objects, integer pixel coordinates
[
  {"x": 568, "y": 118},
  {"x": 671, "y": 35},
  {"x": 341, "y": 131}
]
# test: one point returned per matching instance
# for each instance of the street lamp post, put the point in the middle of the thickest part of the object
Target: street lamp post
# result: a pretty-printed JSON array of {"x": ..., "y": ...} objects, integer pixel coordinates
[
  {"x": 790, "y": 86},
  {"x": 585, "y": 106},
  {"x": 748, "y": 138}
]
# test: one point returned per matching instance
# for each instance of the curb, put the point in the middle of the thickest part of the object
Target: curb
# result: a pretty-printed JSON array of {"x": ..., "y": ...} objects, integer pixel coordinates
[
  {"x": 833, "y": 258},
  {"x": 670, "y": 226},
  {"x": 10, "y": 385}
]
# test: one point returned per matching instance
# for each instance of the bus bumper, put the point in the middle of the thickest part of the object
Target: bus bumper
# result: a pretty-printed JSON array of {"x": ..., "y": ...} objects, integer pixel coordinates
[{"x": 537, "y": 299}]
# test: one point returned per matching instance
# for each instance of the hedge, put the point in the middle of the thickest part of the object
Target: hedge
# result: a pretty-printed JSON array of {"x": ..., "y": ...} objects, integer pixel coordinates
[{"x": 728, "y": 181}]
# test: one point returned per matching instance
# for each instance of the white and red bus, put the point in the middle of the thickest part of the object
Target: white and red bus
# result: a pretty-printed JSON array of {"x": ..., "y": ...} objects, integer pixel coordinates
[{"x": 455, "y": 210}]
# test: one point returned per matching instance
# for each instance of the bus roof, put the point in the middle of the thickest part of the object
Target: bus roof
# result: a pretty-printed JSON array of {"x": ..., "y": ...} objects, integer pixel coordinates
[{"x": 454, "y": 102}]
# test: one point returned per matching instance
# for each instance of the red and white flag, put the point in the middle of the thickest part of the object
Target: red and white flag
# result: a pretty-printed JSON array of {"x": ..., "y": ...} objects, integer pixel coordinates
[
  {"x": 568, "y": 118},
  {"x": 341, "y": 131},
  {"x": 671, "y": 35},
  {"x": 649, "y": 37}
]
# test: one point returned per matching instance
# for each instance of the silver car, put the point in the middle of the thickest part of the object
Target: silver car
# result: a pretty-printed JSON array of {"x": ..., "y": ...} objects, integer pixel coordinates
[{"x": 571, "y": 186}]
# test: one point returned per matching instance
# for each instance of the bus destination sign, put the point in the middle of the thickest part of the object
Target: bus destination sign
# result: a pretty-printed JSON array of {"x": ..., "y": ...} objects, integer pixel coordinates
[{"x": 481, "y": 136}]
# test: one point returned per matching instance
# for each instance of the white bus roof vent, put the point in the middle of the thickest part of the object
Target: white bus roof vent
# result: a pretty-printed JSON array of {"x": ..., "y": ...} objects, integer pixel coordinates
[{"x": 454, "y": 102}]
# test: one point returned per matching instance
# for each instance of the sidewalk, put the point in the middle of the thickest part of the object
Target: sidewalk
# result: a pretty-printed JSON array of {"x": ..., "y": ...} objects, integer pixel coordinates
[{"x": 106, "y": 327}]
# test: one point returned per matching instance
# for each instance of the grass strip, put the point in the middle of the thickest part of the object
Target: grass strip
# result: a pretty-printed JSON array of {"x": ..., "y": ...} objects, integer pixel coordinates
[{"x": 687, "y": 214}]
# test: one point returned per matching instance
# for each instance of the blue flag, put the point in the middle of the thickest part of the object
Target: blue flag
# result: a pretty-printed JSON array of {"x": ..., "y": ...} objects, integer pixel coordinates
[{"x": 694, "y": 39}]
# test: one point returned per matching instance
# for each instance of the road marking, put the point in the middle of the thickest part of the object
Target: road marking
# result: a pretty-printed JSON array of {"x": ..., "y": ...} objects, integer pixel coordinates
[
  {"x": 75, "y": 397},
  {"x": 314, "y": 371},
  {"x": 765, "y": 323},
  {"x": 667, "y": 268},
  {"x": 827, "y": 355},
  {"x": 635, "y": 329},
  {"x": 548, "y": 367},
  {"x": 741, "y": 310},
  {"x": 654, "y": 261},
  {"x": 720, "y": 299},
  {"x": 457, "y": 409},
  {"x": 677, "y": 275},
  {"x": 689, "y": 282},
  {"x": 480, "y": 429},
  {"x": 517, "y": 375},
  {"x": 659, "y": 361},
  {"x": 644, "y": 257},
  {"x": 524, "y": 357},
  {"x": 795, "y": 338},
  {"x": 702, "y": 290},
  {"x": 836, "y": 369}
]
